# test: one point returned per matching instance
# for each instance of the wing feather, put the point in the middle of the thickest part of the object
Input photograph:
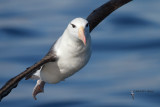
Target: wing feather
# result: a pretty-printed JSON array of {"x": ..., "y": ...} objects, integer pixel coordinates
[
  {"x": 12, "y": 83},
  {"x": 103, "y": 11}
]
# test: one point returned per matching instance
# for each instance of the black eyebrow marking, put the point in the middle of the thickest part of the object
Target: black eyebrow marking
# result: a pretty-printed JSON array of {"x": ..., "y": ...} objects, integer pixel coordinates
[{"x": 74, "y": 26}]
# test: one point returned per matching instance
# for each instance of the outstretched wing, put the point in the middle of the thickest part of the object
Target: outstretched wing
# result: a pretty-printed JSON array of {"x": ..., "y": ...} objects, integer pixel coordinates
[
  {"x": 103, "y": 11},
  {"x": 12, "y": 83}
]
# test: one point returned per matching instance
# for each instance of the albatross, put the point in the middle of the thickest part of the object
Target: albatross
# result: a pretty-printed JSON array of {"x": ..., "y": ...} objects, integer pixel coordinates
[
  {"x": 71, "y": 51},
  {"x": 68, "y": 54}
]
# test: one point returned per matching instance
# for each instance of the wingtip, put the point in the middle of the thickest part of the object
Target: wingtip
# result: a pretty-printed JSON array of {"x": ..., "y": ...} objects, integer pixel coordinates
[{"x": 1, "y": 97}]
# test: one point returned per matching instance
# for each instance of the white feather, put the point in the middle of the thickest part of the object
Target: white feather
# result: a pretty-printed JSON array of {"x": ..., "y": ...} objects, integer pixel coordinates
[{"x": 71, "y": 52}]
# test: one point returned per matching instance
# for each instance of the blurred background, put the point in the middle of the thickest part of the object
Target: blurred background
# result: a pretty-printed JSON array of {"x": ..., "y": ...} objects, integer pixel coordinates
[{"x": 126, "y": 53}]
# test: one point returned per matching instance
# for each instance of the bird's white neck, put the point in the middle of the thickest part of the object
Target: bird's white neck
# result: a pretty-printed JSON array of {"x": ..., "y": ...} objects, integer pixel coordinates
[
  {"x": 71, "y": 40},
  {"x": 69, "y": 43}
]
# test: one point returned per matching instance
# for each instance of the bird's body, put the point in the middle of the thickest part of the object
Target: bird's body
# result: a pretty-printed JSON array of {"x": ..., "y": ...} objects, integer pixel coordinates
[
  {"x": 72, "y": 50},
  {"x": 72, "y": 56}
]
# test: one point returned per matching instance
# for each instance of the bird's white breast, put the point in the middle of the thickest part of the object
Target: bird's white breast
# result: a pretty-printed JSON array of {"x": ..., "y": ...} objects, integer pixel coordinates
[{"x": 72, "y": 56}]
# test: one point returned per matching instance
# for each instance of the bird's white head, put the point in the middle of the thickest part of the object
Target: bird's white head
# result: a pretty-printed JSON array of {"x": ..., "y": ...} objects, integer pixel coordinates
[{"x": 79, "y": 28}]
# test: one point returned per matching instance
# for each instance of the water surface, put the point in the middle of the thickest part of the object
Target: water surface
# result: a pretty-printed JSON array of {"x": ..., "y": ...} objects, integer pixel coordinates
[{"x": 126, "y": 53}]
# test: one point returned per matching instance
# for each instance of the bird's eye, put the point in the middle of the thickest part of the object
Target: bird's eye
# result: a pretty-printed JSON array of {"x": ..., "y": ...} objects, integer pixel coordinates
[
  {"x": 87, "y": 25},
  {"x": 74, "y": 26}
]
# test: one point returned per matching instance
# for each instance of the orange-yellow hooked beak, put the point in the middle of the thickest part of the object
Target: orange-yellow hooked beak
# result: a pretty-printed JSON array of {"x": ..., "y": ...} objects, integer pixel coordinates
[{"x": 81, "y": 35}]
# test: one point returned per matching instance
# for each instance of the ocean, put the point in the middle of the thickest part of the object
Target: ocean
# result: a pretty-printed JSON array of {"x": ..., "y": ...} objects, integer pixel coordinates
[{"x": 125, "y": 55}]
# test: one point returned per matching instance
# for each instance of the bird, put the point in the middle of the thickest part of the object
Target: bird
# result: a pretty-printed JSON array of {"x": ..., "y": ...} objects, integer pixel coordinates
[
  {"x": 70, "y": 52},
  {"x": 67, "y": 55}
]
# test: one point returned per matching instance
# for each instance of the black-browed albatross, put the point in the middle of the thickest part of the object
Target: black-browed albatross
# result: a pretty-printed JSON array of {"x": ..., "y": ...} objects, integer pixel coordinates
[
  {"x": 68, "y": 54},
  {"x": 71, "y": 51}
]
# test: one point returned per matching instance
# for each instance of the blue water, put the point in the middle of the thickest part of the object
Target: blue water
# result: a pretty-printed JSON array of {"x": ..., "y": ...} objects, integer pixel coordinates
[{"x": 126, "y": 53}]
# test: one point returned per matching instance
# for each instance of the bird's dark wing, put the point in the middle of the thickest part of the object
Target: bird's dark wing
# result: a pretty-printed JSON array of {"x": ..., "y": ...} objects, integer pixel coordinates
[
  {"x": 12, "y": 83},
  {"x": 103, "y": 11}
]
